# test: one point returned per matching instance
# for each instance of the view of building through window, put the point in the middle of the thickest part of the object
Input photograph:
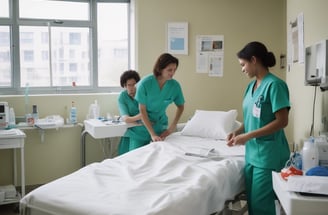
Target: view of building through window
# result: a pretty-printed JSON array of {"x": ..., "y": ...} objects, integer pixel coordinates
[
  {"x": 57, "y": 48},
  {"x": 5, "y": 53},
  {"x": 69, "y": 61},
  {"x": 113, "y": 52}
]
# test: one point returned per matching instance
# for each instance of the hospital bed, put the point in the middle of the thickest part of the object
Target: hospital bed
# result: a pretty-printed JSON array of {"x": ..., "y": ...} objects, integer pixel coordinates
[{"x": 158, "y": 178}]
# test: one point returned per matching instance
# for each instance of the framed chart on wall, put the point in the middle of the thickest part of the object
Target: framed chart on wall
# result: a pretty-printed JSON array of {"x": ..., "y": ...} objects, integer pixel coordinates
[{"x": 177, "y": 38}]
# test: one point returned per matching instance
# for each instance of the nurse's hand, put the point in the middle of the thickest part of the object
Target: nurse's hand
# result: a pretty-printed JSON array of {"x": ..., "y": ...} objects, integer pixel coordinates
[
  {"x": 240, "y": 139},
  {"x": 156, "y": 138},
  {"x": 165, "y": 133}
]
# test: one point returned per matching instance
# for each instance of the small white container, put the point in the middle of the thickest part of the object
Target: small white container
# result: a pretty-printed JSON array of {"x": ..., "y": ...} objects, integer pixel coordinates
[
  {"x": 12, "y": 118},
  {"x": 310, "y": 155},
  {"x": 94, "y": 111}
]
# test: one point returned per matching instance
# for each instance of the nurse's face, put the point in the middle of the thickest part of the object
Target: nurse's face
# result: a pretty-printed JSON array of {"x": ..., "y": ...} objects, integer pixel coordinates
[
  {"x": 131, "y": 87},
  {"x": 169, "y": 71},
  {"x": 248, "y": 67}
]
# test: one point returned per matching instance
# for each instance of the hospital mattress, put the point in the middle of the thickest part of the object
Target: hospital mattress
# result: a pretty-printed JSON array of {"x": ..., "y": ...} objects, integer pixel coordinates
[{"x": 155, "y": 179}]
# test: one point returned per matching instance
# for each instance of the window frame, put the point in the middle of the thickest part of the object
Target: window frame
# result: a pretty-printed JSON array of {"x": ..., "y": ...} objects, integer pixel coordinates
[{"x": 15, "y": 22}]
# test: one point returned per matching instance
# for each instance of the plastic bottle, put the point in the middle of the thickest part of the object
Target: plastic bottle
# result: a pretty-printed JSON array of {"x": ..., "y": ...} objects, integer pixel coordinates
[
  {"x": 35, "y": 113},
  {"x": 310, "y": 155},
  {"x": 298, "y": 160},
  {"x": 12, "y": 118},
  {"x": 94, "y": 110},
  {"x": 73, "y": 114}
]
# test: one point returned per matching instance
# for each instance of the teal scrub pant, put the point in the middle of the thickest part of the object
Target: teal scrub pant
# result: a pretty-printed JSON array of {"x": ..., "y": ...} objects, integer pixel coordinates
[
  {"x": 259, "y": 191},
  {"x": 135, "y": 143},
  {"x": 123, "y": 146},
  {"x": 127, "y": 144}
]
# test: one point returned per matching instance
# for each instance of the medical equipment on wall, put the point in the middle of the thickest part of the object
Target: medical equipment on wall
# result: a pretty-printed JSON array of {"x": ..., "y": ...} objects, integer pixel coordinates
[
  {"x": 316, "y": 65},
  {"x": 4, "y": 115}
]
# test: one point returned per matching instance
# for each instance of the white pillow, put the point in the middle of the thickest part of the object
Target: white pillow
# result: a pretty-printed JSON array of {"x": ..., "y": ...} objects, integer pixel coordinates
[{"x": 210, "y": 124}]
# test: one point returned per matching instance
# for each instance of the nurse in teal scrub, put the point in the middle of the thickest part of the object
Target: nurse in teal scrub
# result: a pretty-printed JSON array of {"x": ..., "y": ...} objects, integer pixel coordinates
[
  {"x": 135, "y": 136},
  {"x": 265, "y": 110},
  {"x": 155, "y": 93}
]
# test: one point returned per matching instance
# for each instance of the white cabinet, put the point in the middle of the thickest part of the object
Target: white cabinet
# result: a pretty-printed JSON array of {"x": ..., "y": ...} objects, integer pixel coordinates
[{"x": 14, "y": 139}]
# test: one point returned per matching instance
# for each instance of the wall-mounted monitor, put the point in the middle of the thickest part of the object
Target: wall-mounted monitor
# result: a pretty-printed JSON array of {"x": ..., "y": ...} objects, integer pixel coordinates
[{"x": 316, "y": 73}]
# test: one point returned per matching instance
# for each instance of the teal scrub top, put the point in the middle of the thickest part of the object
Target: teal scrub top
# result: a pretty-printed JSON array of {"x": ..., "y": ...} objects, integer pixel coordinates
[
  {"x": 157, "y": 100},
  {"x": 269, "y": 151},
  {"x": 130, "y": 107}
]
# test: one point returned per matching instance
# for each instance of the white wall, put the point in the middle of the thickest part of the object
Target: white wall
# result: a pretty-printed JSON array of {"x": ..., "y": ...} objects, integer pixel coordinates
[{"x": 315, "y": 22}]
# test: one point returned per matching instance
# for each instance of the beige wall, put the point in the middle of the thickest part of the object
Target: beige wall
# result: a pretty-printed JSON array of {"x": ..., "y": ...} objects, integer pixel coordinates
[
  {"x": 60, "y": 152},
  {"x": 315, "y": 22},
  {"x": 238, "y": 21}
]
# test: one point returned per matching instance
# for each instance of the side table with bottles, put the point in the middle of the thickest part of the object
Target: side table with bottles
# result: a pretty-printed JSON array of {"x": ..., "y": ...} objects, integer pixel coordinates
[{"x": 14, "y": 139}]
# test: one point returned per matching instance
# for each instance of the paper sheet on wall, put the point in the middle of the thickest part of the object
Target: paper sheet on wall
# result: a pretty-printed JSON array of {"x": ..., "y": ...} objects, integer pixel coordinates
[
  {"x": 177, "y": 38},
  {"x": 295, "y": 41},
  {"x": 300, "y": 24},
  {"x": 209, "y": 56}
]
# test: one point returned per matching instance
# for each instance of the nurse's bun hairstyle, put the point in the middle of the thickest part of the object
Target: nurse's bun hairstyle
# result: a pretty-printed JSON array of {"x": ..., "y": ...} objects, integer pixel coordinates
[
  {"x": 162, "y": 62},
  {"x": 259, "y": 51},
  {"x": 127, "y": 75}
]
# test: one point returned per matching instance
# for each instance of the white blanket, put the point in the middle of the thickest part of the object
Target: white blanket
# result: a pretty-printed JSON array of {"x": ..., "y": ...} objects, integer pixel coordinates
[{"x": 155, "y": 179}]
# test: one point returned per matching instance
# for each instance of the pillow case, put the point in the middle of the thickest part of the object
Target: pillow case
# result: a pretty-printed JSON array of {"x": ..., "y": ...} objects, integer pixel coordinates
[{"x": 211, "y": 124}]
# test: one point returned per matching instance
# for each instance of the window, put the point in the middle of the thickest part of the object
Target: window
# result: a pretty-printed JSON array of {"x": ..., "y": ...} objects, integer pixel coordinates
[
  {"x": 4, "y": 9},
  {"x": 5, "y": 53},
  {"x": 54, "y": 9},
  {"x": 111, "y": 39},
  {"x": 58, "y": 47}
]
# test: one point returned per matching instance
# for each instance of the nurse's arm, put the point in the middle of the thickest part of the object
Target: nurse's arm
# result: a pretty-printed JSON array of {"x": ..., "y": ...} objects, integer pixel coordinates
[
  {"x": 173, "y": 126},
  {"x": 147, "y": 123},
  {"x": 231, "y": 137},
  {"x": 178, "y": 113},
  {"x": 131, "y": 119}
]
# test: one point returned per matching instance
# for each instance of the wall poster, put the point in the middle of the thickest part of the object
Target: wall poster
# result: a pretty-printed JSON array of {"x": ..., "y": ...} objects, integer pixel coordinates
[
  {"x": 177, "y": 38},
  {"x": 209, "y": 55}
]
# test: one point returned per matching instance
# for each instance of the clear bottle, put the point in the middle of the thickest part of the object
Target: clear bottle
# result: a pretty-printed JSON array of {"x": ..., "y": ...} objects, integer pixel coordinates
[
  {"x": 297, "y": 157},
  {"x": 73, "y": 114},
  {"x": 12, "y": 118},
  {"x": 94, "y": 111},
  {"x": 310, "y": 155}
]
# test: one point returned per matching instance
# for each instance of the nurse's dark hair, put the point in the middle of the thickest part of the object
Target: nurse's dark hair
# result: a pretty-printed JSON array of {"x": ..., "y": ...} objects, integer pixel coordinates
[
  {"x": 162, "y": 62},
  {"x": 259, "y": 51},
  {"x": 127, "y": 75}
]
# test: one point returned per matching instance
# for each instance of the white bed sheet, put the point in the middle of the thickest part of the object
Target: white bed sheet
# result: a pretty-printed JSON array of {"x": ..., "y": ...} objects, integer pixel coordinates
[{"x": 155, "y": 179}]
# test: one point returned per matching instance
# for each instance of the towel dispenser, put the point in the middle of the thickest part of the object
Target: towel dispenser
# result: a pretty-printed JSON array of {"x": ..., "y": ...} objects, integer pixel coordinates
[{"x": 316, "y": 65}]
